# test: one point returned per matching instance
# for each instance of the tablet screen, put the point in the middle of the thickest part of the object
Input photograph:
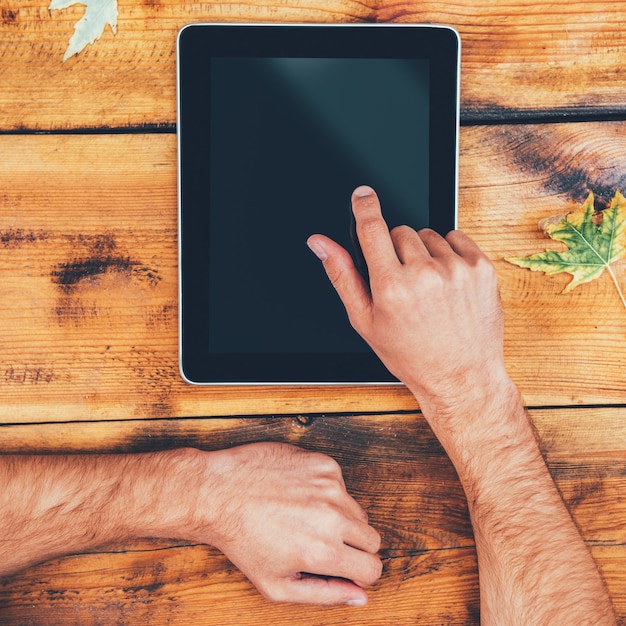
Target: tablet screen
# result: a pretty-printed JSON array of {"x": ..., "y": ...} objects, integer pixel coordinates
[
  {"x": 291, "y": 139},
  {"x": 283, "y": 140}
]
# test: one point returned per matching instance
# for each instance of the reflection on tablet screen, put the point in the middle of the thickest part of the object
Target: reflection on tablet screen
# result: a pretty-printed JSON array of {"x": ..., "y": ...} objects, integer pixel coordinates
[{"x": 290, "y": 139}]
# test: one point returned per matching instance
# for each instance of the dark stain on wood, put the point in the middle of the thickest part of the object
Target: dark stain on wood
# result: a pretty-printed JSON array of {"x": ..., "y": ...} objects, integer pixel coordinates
[
  {"x": 473, "y": 610},
  {"x": 16, "y": 237},
  {"x": 96, "y": 257},
  {"x": 70, "y": 275},
  {"x": 101, "y": 243},
  {"x": 9, "y": 16},
  {"x": 161, "y": 316},
  {"x": 31, "y": 375},
  {"x": 562, "y": 163},
  {"x": 100, "y": 258},
  {"x": 589, "y": 492},
  {"x": 150, "y": 588}
]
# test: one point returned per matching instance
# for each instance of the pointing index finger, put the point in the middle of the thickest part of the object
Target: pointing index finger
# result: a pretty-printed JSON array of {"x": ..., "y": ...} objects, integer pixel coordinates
[{"x": 372, "y": 230}]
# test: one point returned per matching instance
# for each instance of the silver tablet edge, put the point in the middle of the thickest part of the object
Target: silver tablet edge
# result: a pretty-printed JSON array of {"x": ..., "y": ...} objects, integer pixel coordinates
[{"x": 178, "y": 126}]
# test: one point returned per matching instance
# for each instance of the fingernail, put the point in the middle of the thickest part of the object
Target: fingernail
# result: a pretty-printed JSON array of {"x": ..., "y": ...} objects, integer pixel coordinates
[
  {"x": 317, "y": 250},
  {"x": 363, "y": 191},
  {"x": 357, "y": 602}
]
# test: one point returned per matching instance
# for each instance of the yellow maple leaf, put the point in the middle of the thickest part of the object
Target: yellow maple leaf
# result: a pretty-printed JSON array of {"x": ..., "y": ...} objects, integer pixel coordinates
[{"x": 595, "y": 240}]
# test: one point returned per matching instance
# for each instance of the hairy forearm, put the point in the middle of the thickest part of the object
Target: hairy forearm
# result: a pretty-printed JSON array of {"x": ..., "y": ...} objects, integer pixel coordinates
[
  {"x": 55, "y": 505},
  {"x": 534, "y": 566},
  {"x": 432, "y": 313},
  {"x": 273, "y": 509}
]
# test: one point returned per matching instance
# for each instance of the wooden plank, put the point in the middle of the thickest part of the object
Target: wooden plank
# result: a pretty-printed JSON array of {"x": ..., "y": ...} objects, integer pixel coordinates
[
  {"x": 189, "y": 585},
  {"x": 519, "y": 58},
  {"x": 394, "y": 467},
  {"x": 88, "y": 300},
  {"x": 585, "y": 449},
  {"x": 574, "y": 431},
  {"x": 410, "y": 466},
  {"x": 560, "y": 348}
]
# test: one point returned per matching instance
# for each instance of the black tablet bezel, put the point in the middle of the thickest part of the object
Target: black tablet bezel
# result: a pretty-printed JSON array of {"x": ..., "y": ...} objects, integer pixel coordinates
[{"x": 196, "y": 45}]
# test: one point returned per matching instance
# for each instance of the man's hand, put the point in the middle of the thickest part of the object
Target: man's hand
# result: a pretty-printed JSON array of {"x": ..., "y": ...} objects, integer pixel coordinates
[
  {"x": 281, "y": 514},
  {"x": 433, "y": 315},
  {"x": 432, "y": 312},
  {"x": 284, "y": 517}
]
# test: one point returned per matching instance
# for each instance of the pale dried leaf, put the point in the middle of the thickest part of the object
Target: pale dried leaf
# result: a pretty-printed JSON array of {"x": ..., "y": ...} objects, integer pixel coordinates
[{"x": 98, "y": 14}]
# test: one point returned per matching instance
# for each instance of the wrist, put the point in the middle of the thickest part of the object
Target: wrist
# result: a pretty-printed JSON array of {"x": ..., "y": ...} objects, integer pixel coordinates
[
  {"x": 505, "y": 458},
  {"x": 161, "y": 492},
  {"x": 199, "y": 496},
  {"x": 482, "y": 417}
]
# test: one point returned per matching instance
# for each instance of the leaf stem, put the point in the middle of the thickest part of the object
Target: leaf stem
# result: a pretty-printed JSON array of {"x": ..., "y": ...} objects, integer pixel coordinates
[{"x": 621, "y": 295}]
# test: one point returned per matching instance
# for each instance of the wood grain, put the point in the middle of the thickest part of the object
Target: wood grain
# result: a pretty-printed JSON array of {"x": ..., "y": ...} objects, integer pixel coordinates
[
  {"x": 407, "y": 458},
  {"x": 585, "y": 450},
  {"x": 152, "y": 583},
  {"x": 413, "y": 497},
  {"x": 511, "y": 178},
  {"x": 88, "y": 300},
  {"x": 520, "y": 58},
  {"x": 188, "y": 585},
  {"x": 88, "y": 303}
]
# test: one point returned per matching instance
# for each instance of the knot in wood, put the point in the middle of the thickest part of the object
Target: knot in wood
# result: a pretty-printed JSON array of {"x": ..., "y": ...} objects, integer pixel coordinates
[{"x": 304, "y": 421}]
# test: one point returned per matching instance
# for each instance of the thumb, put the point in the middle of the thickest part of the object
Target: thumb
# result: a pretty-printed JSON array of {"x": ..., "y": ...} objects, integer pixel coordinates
[
  {"x": 324, "y": 591},
  {"x": 344, "y": 277}
]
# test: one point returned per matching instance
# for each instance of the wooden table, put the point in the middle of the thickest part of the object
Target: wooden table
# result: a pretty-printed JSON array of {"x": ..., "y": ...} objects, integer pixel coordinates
[{"x": 88, "y": 302}]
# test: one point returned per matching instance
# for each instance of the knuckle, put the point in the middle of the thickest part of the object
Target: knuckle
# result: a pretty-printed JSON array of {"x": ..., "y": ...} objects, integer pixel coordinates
[
  {"x": 458, "y": 271},
  {"x": 377, "y": 570},
  {"x": 375, "y": 541},
  {"x": 360, "y": 320},
  {"x": 401, "y": 229},
  {"x": 485, "y": 269},
  {"x": 428, "y": 233},
  {"x": 274, "y": 593},
  {"x": 430, "y": 278},
  {"x": 326, "y": 464},
  {"x": 357, "y": 322},
  {"x": 402, "y": 232},
  {"x": 392, "y": 291},
  {"x": 330, "y": 509},
  {"x": 372, "y": 571},
  {"x": 362, "y": 515},
  {"x": 370, "y": 227},
  {"x": 324, "y": 557},
  {"x": 337, "y": 275}
]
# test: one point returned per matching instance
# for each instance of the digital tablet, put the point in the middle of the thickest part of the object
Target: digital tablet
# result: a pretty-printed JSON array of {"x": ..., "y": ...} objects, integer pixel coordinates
[{"x": 277, "y": 125}]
